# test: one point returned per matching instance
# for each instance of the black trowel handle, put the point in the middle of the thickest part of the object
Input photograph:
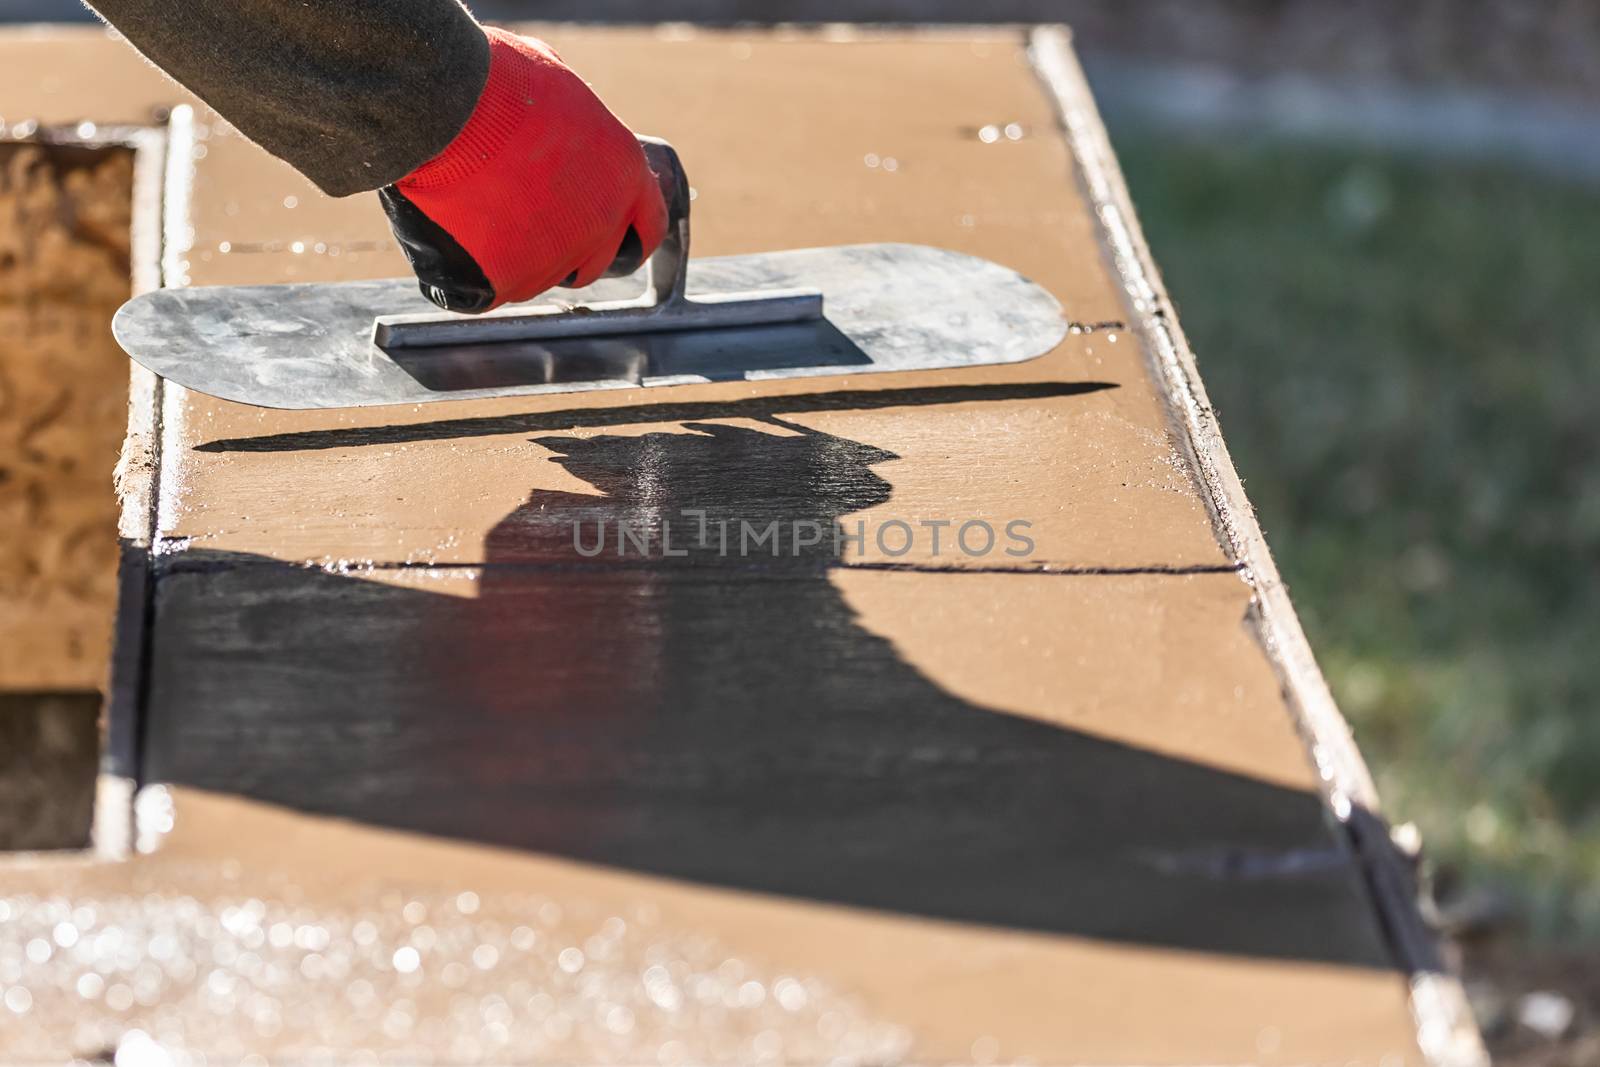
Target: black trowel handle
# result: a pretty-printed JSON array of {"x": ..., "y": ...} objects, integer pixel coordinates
[{"x": 663, "y": 160}]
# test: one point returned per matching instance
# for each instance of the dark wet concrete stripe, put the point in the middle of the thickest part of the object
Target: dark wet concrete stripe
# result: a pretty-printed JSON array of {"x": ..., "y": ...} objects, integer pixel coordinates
[{"x": 703, "y": 726}]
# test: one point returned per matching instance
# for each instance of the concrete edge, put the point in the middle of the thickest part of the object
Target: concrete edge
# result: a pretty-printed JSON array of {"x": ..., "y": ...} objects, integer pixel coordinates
[
  {"x": 163, "y": 168},
  {"x": 113, "y": 790},
  {"x": 113, "y": 806},
  {"x": 1446, "y": 1032}
]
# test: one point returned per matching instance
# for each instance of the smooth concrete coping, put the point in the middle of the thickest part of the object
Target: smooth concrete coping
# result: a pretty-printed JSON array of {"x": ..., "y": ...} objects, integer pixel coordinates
[{"x": 416, "y": 774}]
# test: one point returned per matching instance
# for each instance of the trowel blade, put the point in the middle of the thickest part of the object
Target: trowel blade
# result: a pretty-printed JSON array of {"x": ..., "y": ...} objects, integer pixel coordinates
[{"x": 887, "y": 307}]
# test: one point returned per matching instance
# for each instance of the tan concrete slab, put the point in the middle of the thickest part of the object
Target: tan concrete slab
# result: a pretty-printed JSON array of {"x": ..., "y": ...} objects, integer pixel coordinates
[
  {"x": 923, "y": 793},
  {"x": 972, "y": 816},
  {"x": 225, "y": 947},
  {"x": 1092, "y": 483},
  {"x": 43, "y": 77},
  {"x": 777, "y": 131},
  {"x": 1094, "y": 470},
  {"x": 1038, "y": 648},
  {"x": 1196, "y": 687},
  {"x": 256, "y": 219}
]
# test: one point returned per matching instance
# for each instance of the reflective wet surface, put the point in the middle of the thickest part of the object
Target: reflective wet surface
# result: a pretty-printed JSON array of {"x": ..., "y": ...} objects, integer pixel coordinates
[
  {"x": 692, "y": 707},
  {"x": 977, "y": 810},
  {"x": 166, "y": 978}
]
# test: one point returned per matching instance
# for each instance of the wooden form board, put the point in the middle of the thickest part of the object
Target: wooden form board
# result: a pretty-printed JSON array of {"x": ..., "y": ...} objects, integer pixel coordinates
[{"x": 1089, "y": 803}]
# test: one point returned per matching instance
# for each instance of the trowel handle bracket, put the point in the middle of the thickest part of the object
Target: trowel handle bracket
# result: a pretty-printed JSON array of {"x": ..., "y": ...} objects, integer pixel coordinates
[
  {"x": 670, "y": 260},
  {"x": 662, "y": 308}
]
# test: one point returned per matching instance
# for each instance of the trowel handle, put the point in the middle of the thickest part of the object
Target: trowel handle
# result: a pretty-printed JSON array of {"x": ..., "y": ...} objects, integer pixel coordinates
[
  {"x": 663, "y": 160},
  {"x": 666, "y": 265}
]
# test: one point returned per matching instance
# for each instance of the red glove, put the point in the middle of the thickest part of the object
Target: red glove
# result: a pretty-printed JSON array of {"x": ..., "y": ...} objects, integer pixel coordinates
[{"x": 542, "y": 187}]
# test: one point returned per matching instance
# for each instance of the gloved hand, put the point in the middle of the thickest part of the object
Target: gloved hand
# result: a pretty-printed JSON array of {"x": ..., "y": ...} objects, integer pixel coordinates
[{"x": 542, "y": 187}]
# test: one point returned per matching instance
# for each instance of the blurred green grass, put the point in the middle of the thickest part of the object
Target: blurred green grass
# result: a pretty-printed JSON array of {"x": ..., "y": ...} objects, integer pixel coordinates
[{"x": 1405, "y": 356}]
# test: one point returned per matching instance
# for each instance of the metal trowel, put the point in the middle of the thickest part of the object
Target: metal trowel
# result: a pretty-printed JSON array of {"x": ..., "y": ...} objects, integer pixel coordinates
[{"x": 803, "y": 313}]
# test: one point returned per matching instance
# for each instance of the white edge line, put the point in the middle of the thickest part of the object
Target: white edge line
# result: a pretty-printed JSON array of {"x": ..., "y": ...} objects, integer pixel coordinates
[
  {"x": 161, "y": 234},
  {"x": 177, "y": 239},
  {"x": 111, "y": 834}
]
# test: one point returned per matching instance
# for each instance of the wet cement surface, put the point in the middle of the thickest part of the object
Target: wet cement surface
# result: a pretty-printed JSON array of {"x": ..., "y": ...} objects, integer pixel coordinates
[
  {"x": 332, "y": 935},
  {"x": 730, "y": 729},
  {"x": 1004, "y": 805}
]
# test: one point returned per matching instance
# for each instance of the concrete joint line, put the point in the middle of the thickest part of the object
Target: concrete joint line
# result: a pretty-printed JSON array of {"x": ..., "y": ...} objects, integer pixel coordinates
[{"x": 175, "y": 562}]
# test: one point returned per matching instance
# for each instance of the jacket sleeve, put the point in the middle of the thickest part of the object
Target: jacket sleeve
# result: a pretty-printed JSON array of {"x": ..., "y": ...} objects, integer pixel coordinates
[{"x": 352, "y": 93}]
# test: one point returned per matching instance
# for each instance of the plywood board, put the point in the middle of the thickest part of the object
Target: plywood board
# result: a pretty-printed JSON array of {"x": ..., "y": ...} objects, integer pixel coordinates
[{"x": 65, "y": 214}]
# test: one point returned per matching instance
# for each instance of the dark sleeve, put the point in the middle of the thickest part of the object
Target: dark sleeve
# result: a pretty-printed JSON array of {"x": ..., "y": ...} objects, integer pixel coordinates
[{"x": 352, "y": 93}]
